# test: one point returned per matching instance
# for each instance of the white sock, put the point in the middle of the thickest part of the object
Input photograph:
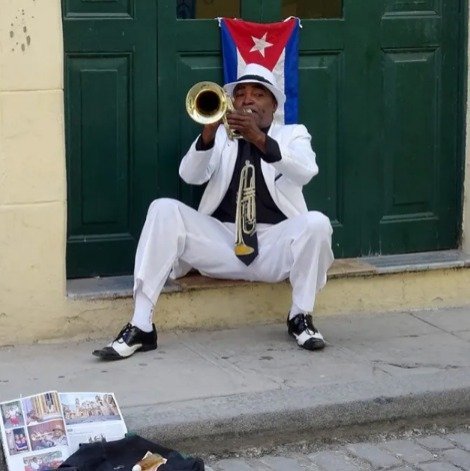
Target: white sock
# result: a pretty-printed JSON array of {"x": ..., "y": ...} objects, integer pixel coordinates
[
  {"x": 294, "y": 310},
  {"x": 143, "y": 312}
]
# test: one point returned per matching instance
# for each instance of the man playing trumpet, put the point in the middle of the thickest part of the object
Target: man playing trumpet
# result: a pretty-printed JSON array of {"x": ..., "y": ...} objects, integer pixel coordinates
[{"x": 252, "y": 222}]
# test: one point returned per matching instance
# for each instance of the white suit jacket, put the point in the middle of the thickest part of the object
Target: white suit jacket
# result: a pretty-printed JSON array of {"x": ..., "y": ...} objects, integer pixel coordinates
[{"x": 284, "y": 178}]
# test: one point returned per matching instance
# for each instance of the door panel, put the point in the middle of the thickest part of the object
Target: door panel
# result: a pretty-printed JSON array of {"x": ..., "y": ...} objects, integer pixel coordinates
[
  {"x": 110, "y": 97},
  {"x": 323, "y": 51},
  {"x": 98, "y": 8},
  {"x": 418, "y": 99},
  {"x": 102, "y": 83},
  {"x": 410, "y": 142},
  {"x": 403, "y": 6},
  {"x": 320, "y": 89}
]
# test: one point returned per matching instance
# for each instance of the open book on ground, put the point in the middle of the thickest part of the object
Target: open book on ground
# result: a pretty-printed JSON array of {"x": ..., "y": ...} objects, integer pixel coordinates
[{"x": 40, "y": 432}]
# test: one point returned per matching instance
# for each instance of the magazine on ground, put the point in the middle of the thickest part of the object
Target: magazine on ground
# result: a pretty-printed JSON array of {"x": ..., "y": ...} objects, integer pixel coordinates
[{"x": 40, "y": 432}]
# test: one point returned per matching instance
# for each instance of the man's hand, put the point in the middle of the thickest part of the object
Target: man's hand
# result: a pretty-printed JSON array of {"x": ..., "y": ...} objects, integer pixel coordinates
[{"x": 244, "y": 122}]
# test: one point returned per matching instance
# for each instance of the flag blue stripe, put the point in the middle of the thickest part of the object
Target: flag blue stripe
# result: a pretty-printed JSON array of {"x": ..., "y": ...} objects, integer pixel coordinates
[
  {"x": 229, "y": 54},
  {"x": 291, "y": 77}
]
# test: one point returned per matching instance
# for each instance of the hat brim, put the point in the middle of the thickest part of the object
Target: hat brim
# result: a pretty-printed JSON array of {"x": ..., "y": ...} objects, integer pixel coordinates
[{"x": 278, "y": 95}]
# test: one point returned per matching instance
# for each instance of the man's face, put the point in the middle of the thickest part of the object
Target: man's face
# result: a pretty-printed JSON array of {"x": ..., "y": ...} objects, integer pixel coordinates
[{"x": 256, "y": 98}]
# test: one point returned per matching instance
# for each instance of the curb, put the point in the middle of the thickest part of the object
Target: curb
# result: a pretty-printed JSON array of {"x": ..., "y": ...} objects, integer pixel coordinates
[{"x": 215, "y": 425}]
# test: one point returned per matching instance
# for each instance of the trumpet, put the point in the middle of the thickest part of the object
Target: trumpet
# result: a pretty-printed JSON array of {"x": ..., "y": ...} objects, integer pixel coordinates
[
  {"x": 207, "y": 103},
  {"x": 245, "y": 218}
]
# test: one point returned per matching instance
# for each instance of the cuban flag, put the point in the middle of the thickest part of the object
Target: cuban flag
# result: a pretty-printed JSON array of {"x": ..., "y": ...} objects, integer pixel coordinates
[{"x": 272, "y": 45}]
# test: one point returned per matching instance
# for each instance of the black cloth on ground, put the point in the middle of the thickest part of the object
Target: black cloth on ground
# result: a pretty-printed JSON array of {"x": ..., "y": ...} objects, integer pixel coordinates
[{"x": 122, "y": 455}]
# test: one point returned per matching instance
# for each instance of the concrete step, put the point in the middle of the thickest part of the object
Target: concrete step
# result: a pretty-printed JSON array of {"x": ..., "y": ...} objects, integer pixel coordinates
[
  {"x": 121, "y": 286},
  {"x": 432, "y": 280}
]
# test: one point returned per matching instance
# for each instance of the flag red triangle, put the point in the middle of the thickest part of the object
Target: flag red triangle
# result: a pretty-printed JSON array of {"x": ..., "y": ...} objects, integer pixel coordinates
[{"x": 260, "y": 43}]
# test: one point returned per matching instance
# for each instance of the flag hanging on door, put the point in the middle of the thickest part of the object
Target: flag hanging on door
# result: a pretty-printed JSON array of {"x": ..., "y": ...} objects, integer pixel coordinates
[{"x": 272, "y": 45}]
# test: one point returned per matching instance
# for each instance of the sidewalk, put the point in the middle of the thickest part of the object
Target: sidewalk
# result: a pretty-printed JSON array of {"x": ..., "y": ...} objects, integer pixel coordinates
[{"x": 202, "y": 390}]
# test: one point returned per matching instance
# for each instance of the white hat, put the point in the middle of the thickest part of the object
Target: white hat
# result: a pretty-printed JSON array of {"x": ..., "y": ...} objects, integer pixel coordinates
[{"x": 255, "y": 73}]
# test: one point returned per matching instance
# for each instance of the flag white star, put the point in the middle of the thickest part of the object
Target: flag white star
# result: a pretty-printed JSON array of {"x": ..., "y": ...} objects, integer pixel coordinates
[{"x": 260, "y": 44}]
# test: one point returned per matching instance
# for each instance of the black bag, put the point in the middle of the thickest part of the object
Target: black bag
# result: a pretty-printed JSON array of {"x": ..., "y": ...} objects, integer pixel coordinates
[{"x": 122, "y": 455}]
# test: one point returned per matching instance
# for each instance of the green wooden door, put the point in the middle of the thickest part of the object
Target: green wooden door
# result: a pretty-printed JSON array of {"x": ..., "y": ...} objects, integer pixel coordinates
[
  {"x": 111, "y": 130},
  {"x": 417, "y": 104},
  {"x": 380, "y": 88},
  {"x": 381, "y": 91}
]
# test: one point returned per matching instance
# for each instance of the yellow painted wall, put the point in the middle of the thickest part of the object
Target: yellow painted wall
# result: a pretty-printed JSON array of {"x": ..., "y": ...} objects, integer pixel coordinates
[{"x": 32, "y": 169}]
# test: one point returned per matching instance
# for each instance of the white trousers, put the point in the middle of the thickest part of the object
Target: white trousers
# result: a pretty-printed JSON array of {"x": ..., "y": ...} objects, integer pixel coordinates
[{"x": 176, "y": 237}]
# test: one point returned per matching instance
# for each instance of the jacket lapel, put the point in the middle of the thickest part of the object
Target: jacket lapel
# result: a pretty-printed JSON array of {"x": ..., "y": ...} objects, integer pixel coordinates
[
  {"x": 269, "y": 172},
  {"x": 227, "y": 164}
]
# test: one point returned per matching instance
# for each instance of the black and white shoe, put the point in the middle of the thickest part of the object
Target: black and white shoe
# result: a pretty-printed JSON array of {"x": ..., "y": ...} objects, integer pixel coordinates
[
  {"x": 131, "y": 339},
  {"x": 302, "y": 329}
]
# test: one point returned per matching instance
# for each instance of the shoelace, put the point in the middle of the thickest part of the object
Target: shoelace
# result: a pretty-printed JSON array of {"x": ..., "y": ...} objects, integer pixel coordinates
[
  {"x": 123, "y": 333},
  {"x": 307, "y": 324}
]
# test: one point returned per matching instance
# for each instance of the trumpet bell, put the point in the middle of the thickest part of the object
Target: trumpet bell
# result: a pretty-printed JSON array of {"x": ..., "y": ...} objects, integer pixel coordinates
[{"x": 206, "y": 102}]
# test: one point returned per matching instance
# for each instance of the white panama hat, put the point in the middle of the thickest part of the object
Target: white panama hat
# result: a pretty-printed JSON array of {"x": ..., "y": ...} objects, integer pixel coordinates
[{"x": 255, "y": 73}]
